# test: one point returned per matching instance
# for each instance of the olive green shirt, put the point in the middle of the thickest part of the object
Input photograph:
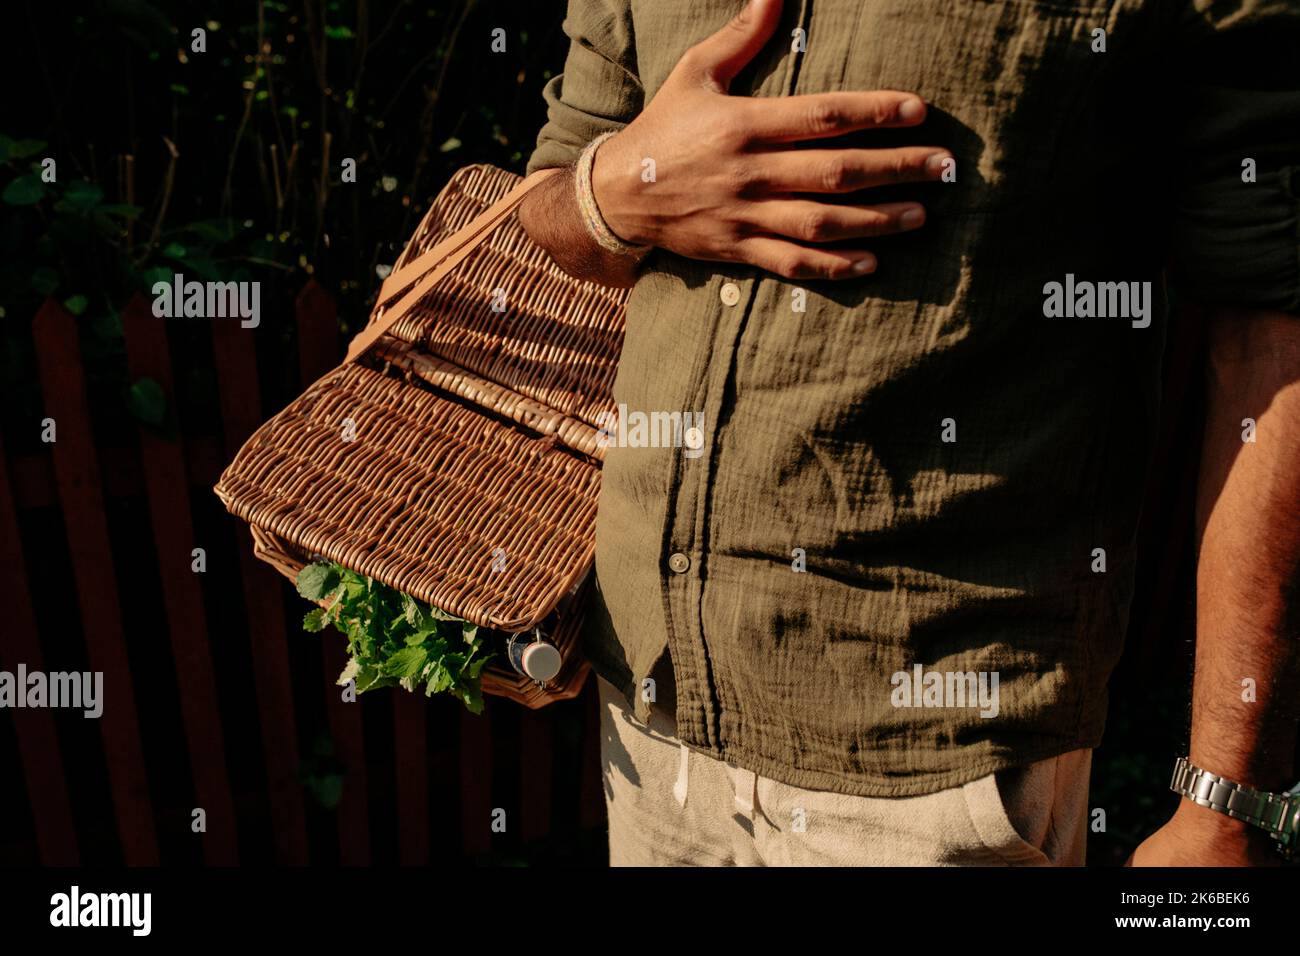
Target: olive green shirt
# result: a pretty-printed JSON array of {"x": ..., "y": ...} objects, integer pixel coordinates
[{"x": 936, "y": 469}]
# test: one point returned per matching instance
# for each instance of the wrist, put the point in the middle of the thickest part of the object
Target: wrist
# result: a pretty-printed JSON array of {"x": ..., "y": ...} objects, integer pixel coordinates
[
  {"x": 611, "y": 182},
  {"x": 1211, "y": 832}
]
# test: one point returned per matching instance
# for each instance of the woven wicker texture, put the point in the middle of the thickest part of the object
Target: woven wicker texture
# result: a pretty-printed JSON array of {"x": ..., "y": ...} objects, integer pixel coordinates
[
  {"x": 555, "y": 340},
  {"x": 471, "y": 477}
]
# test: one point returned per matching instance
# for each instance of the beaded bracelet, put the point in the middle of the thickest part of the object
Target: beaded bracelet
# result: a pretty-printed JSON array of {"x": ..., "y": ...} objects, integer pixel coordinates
[{"x": 591, "y": 216}]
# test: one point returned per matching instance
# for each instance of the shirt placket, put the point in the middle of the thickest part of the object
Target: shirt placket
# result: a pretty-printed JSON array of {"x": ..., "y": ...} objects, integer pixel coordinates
[
  {"x": 684, "y": 552},
  {"x": 684, "y": 557}
]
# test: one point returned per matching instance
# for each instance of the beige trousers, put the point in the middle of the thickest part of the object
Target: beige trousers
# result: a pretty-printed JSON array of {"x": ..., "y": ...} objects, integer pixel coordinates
[{"x": 670, "y": 806}]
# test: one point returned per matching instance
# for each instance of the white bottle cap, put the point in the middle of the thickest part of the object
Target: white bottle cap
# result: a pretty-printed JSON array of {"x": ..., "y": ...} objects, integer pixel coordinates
[{"x": 540, "y": 661}]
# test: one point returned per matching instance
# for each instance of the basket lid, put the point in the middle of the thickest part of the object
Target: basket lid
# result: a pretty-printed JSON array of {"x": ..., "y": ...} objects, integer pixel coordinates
[
  {"x": 425, "y": 490},
  {"x": 508, "y": 313}
]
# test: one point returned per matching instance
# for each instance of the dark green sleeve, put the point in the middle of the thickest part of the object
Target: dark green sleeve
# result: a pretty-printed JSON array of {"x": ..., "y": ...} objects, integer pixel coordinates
[
  {"x": 599, "y": 89},
  {"x": 1236, "y": 242}
]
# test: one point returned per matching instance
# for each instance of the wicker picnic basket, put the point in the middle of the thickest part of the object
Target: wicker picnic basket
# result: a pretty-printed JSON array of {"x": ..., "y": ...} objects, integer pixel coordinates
[{"x": 474, "y": 399}]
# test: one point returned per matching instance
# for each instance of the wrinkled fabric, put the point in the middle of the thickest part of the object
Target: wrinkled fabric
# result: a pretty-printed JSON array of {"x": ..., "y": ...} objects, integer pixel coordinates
[
  {"x": 922, "y": 467},
  {"x": 671, "y": 806}
]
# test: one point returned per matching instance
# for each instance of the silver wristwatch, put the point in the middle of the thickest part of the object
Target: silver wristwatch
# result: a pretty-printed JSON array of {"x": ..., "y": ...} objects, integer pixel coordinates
[{"x": 1276, "y": 813}]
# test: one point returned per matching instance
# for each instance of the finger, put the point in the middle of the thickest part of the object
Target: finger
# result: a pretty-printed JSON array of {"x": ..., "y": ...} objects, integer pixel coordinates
[
  {"x": 718, "y": 58},
  {"x": 786, "y": 119},
  {"x": 809, "y": 221},
  {"x": 844, "y": 170},
  {"x": 794, "y": 261}
]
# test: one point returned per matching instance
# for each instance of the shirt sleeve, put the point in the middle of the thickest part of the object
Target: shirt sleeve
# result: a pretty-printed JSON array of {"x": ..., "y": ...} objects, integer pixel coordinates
[
  {"x": 1235, "y": 241},
  {"x": 599, "y": 89}
]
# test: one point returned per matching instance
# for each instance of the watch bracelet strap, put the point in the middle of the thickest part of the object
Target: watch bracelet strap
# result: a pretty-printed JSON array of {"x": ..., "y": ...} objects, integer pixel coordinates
[{"x": 1259, "y": 808}]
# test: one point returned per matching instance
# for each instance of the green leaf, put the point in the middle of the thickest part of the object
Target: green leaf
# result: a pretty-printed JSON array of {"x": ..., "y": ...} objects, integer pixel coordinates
[
  {"x": 316, "y": 580},
  {"x": 146, "y": 400},
  {"x": 24, "y": 191},
  {"x": 81, "y": 196},
  {"x": 350, "y": 672},
  {"x": 326, "y": 788},
  {"x": 339, "y": 33},
  {"x": 407, "y": 662},
  {"x": 369, "y": 678},
  {"x": 22, "y": 148},
  {"x": 155, "y": 274},
  {"x": 439, "y": 679},
  {"x": 211, "y": 230},
  {"x": 106, "y": 226},
  {"x": 440, "y": 615},
  {"x": 45, "y": 280},
  {"x": 108, "y": 326},
  {"x": 395, "y": 639},
  {"x": 173, "y": 250},
  {"x": 76, "y": 304},
  {"x": 315, "y": 621},
  {"x": 202, "y": 266}
]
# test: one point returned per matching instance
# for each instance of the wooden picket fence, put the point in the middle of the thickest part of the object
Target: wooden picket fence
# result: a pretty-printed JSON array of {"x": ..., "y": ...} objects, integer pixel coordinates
[{"x": 427, "y": 797}]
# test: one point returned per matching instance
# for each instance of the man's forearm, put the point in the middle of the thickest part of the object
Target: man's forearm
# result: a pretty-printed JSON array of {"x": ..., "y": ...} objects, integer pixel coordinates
[
  {"x": 551, "y": 217},
  {"x": 1246, "y": 699}
]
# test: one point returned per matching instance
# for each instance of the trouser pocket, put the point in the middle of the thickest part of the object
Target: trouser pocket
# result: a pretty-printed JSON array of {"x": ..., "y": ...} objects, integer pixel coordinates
[{"x": 992, "y": 822}]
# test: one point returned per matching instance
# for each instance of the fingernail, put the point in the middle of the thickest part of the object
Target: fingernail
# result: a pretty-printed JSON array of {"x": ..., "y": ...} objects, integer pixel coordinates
[
  {"x": 935, "y": 162},
  {"x": 912, "y": 218},
  {"x": 911, "y": 110},
  {"x": 864, "y": 265}
]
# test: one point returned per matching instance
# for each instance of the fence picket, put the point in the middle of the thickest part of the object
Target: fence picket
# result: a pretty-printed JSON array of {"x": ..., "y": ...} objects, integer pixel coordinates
[
  {"x": 77, "y": 475},
  {"x": 410, "y": 734},
  {"x": 536, "y": 730},
  {"x": 241, "y": 413},
  {"x": 476, "y": 780},
  {"x": 173, "y": 532},
  {"x": 38, "y": 743}
]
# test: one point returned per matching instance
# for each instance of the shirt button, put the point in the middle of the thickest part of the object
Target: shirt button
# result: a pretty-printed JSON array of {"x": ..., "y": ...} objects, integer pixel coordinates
[
  {"x": 679, "y": 562},
  {"x": 729, "y": 293}
]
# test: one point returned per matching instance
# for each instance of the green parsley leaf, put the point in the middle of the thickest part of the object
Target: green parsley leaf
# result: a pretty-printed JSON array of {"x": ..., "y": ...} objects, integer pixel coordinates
[{"x": 317, "y": 580}]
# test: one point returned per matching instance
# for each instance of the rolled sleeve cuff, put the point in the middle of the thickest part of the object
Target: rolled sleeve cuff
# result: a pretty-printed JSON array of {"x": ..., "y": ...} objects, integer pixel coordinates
[{"x": 592, "y": 96}]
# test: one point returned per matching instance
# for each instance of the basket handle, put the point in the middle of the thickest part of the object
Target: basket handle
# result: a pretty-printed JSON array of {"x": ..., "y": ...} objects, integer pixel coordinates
[{"x": 427, "y": 269}]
